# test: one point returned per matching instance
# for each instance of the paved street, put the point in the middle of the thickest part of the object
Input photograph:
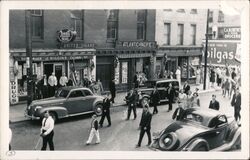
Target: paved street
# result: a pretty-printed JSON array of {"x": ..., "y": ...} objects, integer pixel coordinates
[{"x": 72, "y": 133}]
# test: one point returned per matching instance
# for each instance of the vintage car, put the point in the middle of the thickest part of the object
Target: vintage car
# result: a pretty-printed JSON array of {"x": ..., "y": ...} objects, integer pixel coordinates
[
  {"x": 68, "y": 101},
  {"x": 199, "y": 130},
  {"x": 162, "y": 85}
]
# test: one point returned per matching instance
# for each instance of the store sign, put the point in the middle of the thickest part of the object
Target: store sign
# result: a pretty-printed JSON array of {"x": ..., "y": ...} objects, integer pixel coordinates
[
  {"x": 66, "y": 35},
  {"x": 76, "y": 45},
  {"x": 13, "y": 92},
  {"x": 220, "y": 52},
  {"x": 231, "y": 33},
  {"x": 136, "y": 44},
  {"x": 56, "y": 58}
]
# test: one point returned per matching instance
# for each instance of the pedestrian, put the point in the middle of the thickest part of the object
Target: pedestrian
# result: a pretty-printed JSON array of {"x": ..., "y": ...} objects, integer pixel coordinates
[
  {"x": 212, "y": 76},
  {"x": 236, "y": 103},
  {"x": 112, "y": 90},
  {"x": 198, "y": 76},
  {"x": 214, "y": 104},
  {"x": 131, "y": 99},
  {"x": 136, "y": 80},
  {"x": 178, "y": 74},
  {"x": 170, "y": 96},
  {"x": 94, "y": 131},
  {"x": 70, "y": 82},
  {"x": 189, "y": 99},
  {"x": 86, "y": 81},
  {"x": 44, "y": 84},
  {"x": 186, "y": 87},
  {"x": 155, "y": 98},
  {"x": 106, "y": 110},
  {"x": 63, "y": 80},
  {"x": 38, "y": 89},
  {"x": 47, "y": 131},
  {"x": 218, "y": 75},
  {"x": 171, "y": 75},
  {"x": 179, "y": 112},
  {"x": 233, "y": 86},
  {"x": 99, "y": 83},
  {"x": 226, "y": 88},
  {"x": 182, "y": 99},
  {"x": 145, "y": 126},
  {"x": 52, "y": 84},
  {"x": 195, "y": 100}
]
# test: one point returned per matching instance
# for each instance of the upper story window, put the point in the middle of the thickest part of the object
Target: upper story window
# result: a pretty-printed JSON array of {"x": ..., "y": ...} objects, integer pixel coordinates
[
  {"x": 193, "y": 11},
  {"x": 220, "y": 32},
  {"x": 210, "y": 32},
  {"x": 112, "y": 25},
  {"x": 221, "y": 16},
  {"x": 168, "y": 10},
  {"x": 141, "y": 24},
  {"x": 37, "y": 24},
  {"x": 181, "y": 10},
  {"x": 77, "y": 23},
  {"x": 210, "y": 16},
  {"x": 180, "y": 34},
  {"x": 193, "y": 34},
  {"x": 167, "y": 30}
]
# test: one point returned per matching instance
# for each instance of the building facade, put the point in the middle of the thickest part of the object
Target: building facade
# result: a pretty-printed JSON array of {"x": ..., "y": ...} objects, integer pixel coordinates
[
  {"x": 179, "y": 34},
  {"x": 97, "y": 44}
]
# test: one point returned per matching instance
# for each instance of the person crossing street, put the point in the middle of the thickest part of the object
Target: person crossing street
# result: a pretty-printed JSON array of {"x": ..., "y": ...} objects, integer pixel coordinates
[
  {"x": 94, "y": 131},
  {"x": 155, "y": 98},
  {"x": 131, "y": 99},
  {"x": 106, "y": 111}
]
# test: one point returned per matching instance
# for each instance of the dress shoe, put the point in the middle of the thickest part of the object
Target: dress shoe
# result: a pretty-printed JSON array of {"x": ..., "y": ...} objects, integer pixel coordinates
[
  {"x": 137, "y": 146},
  {"x": 109, "y": 125}
]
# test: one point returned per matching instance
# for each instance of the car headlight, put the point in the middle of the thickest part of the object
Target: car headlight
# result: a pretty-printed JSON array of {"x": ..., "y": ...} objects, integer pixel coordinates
[{"x": 37, "y": 107}]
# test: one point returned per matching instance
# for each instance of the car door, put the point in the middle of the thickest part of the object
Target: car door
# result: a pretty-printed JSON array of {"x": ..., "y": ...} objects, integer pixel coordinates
[
  {"x": 216, "y": 137},
  {"x": 162, "y": 91},
  {"x": 74, "y": 102},
  {"x": 88, "y": 100}
]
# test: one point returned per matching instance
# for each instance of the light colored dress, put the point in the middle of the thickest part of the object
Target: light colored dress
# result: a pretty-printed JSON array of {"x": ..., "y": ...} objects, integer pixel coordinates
[{"x": 182, "y": 100}]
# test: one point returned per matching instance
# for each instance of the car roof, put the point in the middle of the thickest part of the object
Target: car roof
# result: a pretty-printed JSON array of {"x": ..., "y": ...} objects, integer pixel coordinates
[
  {"x": 162, "y": 80},
  {"x": 69, "y": 88}
]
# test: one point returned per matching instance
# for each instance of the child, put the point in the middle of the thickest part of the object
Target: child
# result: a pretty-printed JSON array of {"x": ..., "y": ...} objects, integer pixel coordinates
[{"x": 94, "y": 131}]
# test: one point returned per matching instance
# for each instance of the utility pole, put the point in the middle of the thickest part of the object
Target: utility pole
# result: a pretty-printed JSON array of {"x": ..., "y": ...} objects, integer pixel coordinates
[
  {"x": 30, "y": 79},
  {"x": 205, "y": 67}
]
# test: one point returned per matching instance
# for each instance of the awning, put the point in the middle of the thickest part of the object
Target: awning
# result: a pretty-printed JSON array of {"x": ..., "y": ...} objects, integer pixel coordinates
[
  {"x": 178, "y": 51},
  {"x": 53, "y": 54}
]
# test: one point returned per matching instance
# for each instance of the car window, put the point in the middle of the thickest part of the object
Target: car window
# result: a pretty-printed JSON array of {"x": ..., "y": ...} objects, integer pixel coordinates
[
  {"x": 87, "y": 93},
  {"x": 76, "y": 94},
  {"x": 194, "y": 117},
  {"x": 217, "y": 121},
  {"x": 62, "y": 93}
]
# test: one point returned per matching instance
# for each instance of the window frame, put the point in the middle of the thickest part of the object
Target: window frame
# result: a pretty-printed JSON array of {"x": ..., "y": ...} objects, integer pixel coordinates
[
  {"x": 211, "y": 16},
  {"x": 167, "y": 30},
  {"x": 193, "y": 11},
  {"x": 114, "y": 20},
  {"x": 181, "y": 10},
  {"x": 221, "y": 17},
  {"x": 41, "y": 15},
  {"x": 193, "y": 34},
  {"x": 143, "y": 24},
  {"x": 181, "y": 35},
  {"x": 81, "y": 19}
]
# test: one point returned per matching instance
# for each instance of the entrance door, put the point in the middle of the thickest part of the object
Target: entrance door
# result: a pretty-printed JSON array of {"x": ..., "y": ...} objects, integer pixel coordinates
[
  {"x": 58, "y": 71},
  {"x": 48, "y": 69},
  {"x": 104, "y": 73}
]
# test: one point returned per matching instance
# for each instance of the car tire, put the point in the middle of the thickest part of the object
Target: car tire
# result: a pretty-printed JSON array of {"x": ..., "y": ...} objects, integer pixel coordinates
[
  {"x": 98, "y": 109},
  {"x": 199, "y": 145},
  {"x": 168, "y": 142},
  {"x": 54, "y": 116}
]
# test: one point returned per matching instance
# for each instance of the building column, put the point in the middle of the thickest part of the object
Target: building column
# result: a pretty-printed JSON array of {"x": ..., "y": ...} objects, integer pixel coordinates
[
  {"x": 152, "y": 74},
  {"x": 132, "y": 73}
]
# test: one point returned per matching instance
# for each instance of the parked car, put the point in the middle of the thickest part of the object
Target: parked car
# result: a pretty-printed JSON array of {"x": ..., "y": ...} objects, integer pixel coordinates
[
  {"x": 199, "y": 130},
  {"x": 68, "y": 101},
  {"x": 162, "y": 85}
]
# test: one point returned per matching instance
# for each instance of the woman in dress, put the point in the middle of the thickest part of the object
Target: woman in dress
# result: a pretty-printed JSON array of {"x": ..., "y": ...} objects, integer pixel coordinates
[
  {"x": 195, "y": 100},
  {"x": 182, "y": 99}
]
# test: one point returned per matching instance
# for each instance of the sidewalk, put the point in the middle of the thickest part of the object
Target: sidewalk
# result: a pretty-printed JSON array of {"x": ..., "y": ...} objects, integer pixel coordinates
[{"x": 17, "y": 111}]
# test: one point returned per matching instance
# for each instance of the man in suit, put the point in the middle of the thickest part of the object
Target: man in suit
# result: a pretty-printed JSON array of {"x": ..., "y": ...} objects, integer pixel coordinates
[
  {"x": 236, "y": 103},
  {"x": 112, "y": 90},
  {"x": 155, "y": 98},
  {"x": 105, "y": 111},
  {"x": 52, "y": 84},
  {"x": 47, "y": 131},
  {"x": 145, "y": 125},
  {"x": 94, "y": 131},
  {"x": 170, "y": 96},
  {"x": 131, "y": 99},
  {"x": 214, "y": 104},
  {"x": 186, "y": 87}
]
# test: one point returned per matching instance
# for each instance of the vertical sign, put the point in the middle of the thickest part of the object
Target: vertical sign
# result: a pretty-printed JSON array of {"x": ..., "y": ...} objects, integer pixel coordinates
[
  {"x": 117, "y": 74},
  {"x": 13, "y": 91},
  {"x": 124, "y": 72}
]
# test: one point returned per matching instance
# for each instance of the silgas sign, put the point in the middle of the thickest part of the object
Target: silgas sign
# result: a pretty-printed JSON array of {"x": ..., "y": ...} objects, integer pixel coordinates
[{"x": 223, "y": 52}]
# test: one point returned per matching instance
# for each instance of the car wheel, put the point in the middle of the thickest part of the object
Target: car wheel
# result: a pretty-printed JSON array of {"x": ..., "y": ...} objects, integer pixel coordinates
[
  {"x": 168, "y": 142},
  {"x": 199, "y": 145},
  {"x": 54, "y": 116},
  {"x": 98, "y": 109}
]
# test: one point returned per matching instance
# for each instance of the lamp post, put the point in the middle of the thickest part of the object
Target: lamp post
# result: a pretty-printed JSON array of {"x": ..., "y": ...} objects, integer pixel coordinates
[
  {"x": 30, "y": 78},
  {"x": 205, "y": 66}
]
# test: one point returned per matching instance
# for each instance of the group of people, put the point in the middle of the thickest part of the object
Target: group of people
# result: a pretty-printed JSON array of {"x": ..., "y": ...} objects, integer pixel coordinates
[{"x": 139, "y": 79}]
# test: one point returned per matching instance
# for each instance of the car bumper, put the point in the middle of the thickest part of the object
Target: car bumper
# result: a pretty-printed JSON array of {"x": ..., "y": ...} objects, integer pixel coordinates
[{"x": 32, "y": 117}]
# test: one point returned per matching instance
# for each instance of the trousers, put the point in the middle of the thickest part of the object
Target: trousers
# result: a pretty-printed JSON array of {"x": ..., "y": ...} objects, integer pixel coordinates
[
  {"x": 105, "y": 114},
  {"x": 93, "y": 133},
  {"x": 129, "y": 111},
  {"x": 48, "y": 139},
  {"x": 142, "y": 132}
]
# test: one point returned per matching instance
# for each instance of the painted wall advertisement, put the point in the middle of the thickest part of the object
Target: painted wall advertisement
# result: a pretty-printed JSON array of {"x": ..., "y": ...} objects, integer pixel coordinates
[{"x": 223, "y": 52}]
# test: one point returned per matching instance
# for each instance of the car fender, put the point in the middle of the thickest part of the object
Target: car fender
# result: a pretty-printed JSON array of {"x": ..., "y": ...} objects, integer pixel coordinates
[
  {"x": 60, "y": 111},
  {"x": 194, "y": 143}
]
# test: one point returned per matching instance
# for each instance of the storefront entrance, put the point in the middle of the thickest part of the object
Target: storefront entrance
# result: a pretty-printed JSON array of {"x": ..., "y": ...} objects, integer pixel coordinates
[{"x": 57, "y": 68}]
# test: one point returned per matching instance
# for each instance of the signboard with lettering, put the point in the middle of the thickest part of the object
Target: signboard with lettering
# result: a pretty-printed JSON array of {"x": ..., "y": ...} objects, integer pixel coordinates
[
  {"x": 223, "y": 52},
  {"x": 76, "y": 45},
  {"x": 136, "y": 44},
  {"x": 230, "y": 33},
  {"x": 13, "y": 91},
  {"x": 55, "y": 58},
  {"x": 66, "y": 35}
]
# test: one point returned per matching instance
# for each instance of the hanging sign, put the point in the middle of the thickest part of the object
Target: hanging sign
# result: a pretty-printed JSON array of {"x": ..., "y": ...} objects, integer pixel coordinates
[
  {"x": 66, "y": 35},
  {"x": 13, "y": 91}
]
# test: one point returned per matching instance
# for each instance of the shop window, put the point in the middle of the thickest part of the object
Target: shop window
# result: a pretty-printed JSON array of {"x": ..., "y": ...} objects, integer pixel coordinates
[
  {"x": 193, "y": 34},
  {"x": 182, "y": 62},
  {"x": 141, "y": 24},
  {"x": 193, "y": 11},
  {"x": 37, "y": 24},
  {"x": 220, "y": 32},
  {"x": 167, "y": 29},
  {"x": 112, "y": 25},
  {"x": 77, "y": 22},
  {"x": 124, "y": 72},
  {"x": 210, "y": 16},
  {"x": 181, "y": 10},
  {"x": 221, "y": 16},
  {"x": 180, "y": 34}
]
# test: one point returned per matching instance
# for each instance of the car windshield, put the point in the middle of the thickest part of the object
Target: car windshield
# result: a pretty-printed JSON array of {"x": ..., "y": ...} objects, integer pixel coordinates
[
  {"x": 62, "y": 93},
  {"x": 149, "y": 84},
  {"x": 194, "y": 118}
]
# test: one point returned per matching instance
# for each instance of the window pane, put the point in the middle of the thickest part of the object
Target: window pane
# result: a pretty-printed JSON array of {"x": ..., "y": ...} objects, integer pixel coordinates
[
  {"x": 141, "y": 15},
  {"x": 193, "y": 11},
  {"x": 112, "y": 29},
  {"x": 221, "y": 17},
  {"x": 220, "y": 32},
  {"x": 78, "y": 28},
  {"x": 167, "y": 32},
  {"x": 36, "y": 26},
  {"x": 140, "y": 30},
  {"x": 76, "y": 14},
  {"x": 193, "y": 34},
  {"x": 180, "y": 34},
  {"x": 210, "y": 16},
  {"x": 113, "y": 14},
  {"x": 181, "y": 10}
]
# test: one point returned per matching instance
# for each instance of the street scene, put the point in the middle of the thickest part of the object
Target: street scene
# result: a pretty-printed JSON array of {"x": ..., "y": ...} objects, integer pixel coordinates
[{"x": 125, "y": 80}]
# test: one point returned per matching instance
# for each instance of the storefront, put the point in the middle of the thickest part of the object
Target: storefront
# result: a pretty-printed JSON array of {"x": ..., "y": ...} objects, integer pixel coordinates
[
  {"x": 123, "y": 62},
  {"x": 188, "y": 58},
  {"x": 59, "y": 61}
]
